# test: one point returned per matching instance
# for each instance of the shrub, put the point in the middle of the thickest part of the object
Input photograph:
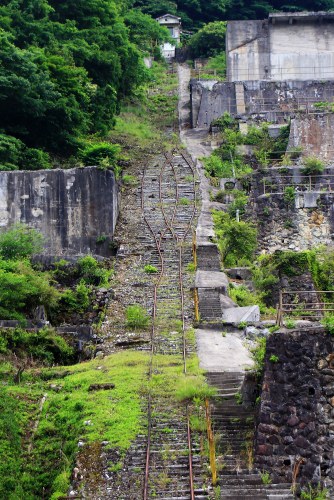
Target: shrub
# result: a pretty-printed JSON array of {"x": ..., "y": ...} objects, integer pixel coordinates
[
  {"x": 239, "y": 203},
  {"x": 92, "y": 272},
  {"x": 22, "y": 289},
  {"x": 20, "y": 242},
  {"x": 258, "y": 354},
  {"x": 313, "y": 166},
  {"x": 236, "y": 240},
  {"x": 35, "y": 159},
  {"x": 289, "y": 195},
  {"x": 44, "y": 345},
  {"x": 289, "y": 323},
  {"x": 137, "y": 317},
  {"x": 101, "y": 154},
  {"x": 328, "y": 323},
  {"x": 150, "y": 269}
]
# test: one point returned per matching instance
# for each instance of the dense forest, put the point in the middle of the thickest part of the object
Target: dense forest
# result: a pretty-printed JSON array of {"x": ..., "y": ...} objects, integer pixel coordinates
[
  {"x": 65, "y": 68},
  {"x": 195, "y": 13}
]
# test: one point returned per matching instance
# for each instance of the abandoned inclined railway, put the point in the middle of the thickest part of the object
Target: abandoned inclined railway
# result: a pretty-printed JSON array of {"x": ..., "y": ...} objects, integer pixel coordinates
[{"x": 168, "y": 200}]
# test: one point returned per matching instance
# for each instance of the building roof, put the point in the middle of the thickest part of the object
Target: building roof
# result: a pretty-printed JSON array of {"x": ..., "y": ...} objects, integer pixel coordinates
[
  {"x": 170, "y": 16},
  {"x": 300, "y": 16}
]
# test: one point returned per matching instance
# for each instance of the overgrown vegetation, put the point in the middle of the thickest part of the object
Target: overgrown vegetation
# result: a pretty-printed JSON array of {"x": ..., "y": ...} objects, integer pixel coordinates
[
  {"x": 63, "y": 290},
  {"x": 195, "y": 13},
  {"x": 62, "y": 422},
  {"x": 66, "y": 67},
  {"x": 228, "y": 161},
  {"x": 237, "y": 241}
]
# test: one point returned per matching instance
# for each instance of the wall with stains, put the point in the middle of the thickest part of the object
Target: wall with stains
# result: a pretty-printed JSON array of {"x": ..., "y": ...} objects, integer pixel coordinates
[{"x": 74, "y": 209}]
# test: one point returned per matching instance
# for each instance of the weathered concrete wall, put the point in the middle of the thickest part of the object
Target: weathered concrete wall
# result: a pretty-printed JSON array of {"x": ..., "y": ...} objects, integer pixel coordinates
[
  {"x": 301, "y": 50},
  {"x": 286, "y": 46},
  {"x": 210, "y": 100},
  {"x": 71, "y": 208},
  {"x": 270, "y": 101},
  {"x": 314, "y": 134},
  {"x": 296, "y": 417},
  {"x": 300, "y": 225},
  {"x": 247, "y": 49}
]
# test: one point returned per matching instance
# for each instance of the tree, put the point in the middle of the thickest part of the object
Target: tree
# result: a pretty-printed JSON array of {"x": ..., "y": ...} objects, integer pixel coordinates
[
  {"x": 236, "y": 240},
  {"x": 208, "y": 41},
  {"x": 22, "y": 289},
  {"x": 145, "y": 32}
]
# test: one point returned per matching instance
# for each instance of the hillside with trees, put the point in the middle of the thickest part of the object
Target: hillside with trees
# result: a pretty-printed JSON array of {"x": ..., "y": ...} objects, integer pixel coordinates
[
  {"x": 195, "y": 13},
  {"x": 66, "y": 67}
]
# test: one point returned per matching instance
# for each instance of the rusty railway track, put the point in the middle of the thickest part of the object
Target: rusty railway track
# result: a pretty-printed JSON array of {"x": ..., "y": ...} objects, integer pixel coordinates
[{"x": 175, "y": 224}]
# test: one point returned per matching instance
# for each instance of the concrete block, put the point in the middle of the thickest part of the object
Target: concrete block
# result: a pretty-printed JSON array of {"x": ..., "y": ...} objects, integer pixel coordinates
[
  {"x": 212, "y": 279},
  {"x": 242, "y": 314}
]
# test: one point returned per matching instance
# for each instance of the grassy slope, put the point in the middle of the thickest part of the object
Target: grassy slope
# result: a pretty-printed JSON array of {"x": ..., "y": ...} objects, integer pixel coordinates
[
  {"x": 143, "y": 128},
  {"x": 116, "y": 415}
]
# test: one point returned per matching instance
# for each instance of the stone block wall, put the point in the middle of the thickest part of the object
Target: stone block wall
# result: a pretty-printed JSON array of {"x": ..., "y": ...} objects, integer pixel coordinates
[
  {"x": 72, "y": 208},
  {"x": 300, "y": 225},
  {"x": 296, "y": 415}
]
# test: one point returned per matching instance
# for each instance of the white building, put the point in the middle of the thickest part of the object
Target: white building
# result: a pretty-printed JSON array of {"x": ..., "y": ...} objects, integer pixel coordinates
[{"x": 173, "y": 23}]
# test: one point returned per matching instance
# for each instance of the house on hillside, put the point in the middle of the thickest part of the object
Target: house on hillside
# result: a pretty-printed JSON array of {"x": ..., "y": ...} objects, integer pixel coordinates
[
  {"x": 173, "y": 23},
  {"x": 286, "y": 46}
]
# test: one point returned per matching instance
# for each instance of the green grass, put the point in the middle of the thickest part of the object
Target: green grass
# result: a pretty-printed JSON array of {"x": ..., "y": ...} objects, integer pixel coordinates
[
  {"x": 116, "y": 416},
  {"x": 137, "y": 127}
]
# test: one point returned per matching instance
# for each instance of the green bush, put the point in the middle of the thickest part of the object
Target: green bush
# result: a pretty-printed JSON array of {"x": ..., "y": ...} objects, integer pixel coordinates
[
  {"x": 77, "y": 300},
  {"x": 239, "y": 203},
  {"x": 35, "y": 159},
  {"x": 91, "y": 272},
  {"x": 289, "y": 195},
  {"x": 236, "y": 240},
  {"x": 22, "y": 289},
  {"x": 43, "y": 345},
  {"x": 258, "y": 354},
  {"x": 102, "y": 154},
  {"x": 150, "y": 269},
  {"x": 20, "y": 242},
  {"x": 328, "y": 323},
  {"x": 137, "y": 317},
  {"x": 10, "y": 152},
  {"x": 312, "y": 166}
]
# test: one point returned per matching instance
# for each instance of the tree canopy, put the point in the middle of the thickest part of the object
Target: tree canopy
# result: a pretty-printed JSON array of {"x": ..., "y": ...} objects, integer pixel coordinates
[
  {"x": 65, "y": 67},
  {"x": 196, "y": 13}
]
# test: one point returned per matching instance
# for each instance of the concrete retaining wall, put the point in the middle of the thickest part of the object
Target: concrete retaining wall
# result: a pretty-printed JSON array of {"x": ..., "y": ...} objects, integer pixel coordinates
[{"x": 72, "y": 208}]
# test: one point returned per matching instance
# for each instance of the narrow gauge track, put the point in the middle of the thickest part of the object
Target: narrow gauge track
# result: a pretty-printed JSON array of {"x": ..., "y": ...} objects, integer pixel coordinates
[{"x": 173, "y": 465}]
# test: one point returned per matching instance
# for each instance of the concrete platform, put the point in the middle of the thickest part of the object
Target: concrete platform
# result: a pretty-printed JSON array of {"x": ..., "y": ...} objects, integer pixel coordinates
[
  {"x": 212, "y": 279},
  {"x": 220, "y": 353}
]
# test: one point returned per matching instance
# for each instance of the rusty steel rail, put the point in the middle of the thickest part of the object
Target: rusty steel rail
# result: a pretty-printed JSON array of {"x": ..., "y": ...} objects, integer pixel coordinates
[{"x": 169, "y": 225}]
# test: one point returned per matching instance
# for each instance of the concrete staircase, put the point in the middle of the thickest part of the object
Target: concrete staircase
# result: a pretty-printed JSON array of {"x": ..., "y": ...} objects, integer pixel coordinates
[
  {"x": 208, "y": 258},
  {"x": 209, "y": 304},
  {"x": 233, "y": 425}
]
